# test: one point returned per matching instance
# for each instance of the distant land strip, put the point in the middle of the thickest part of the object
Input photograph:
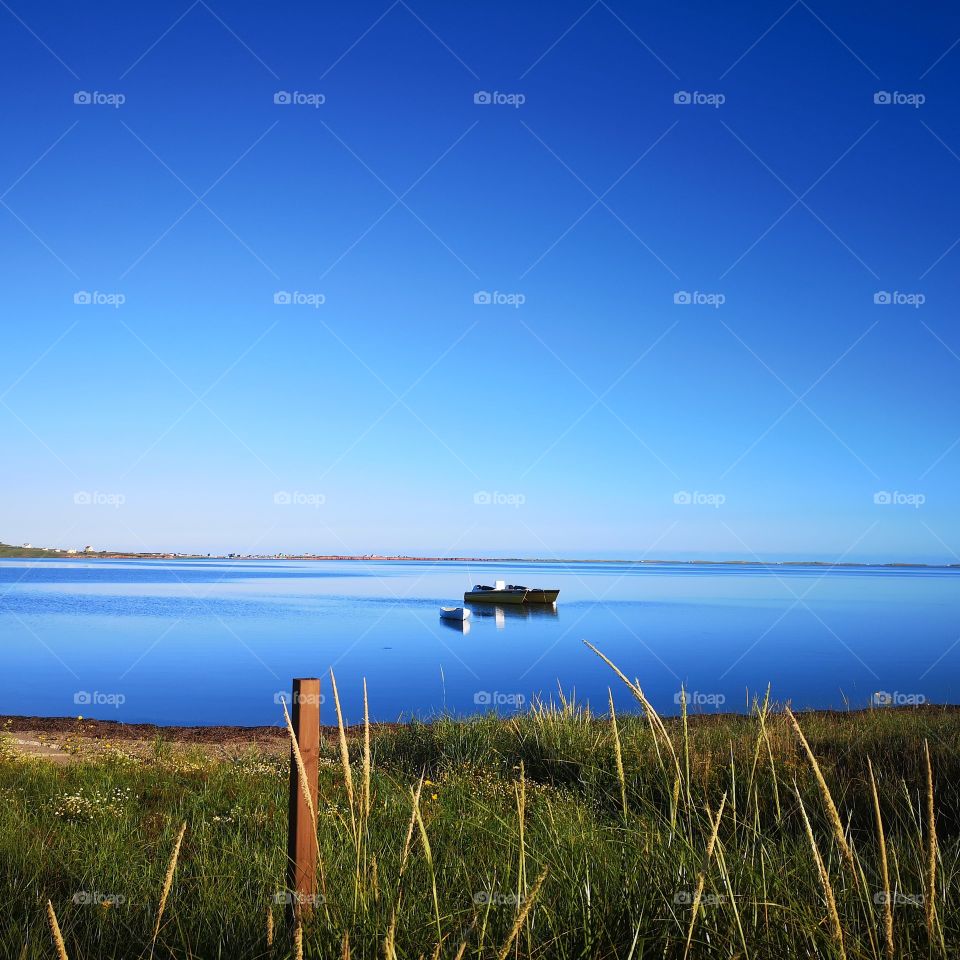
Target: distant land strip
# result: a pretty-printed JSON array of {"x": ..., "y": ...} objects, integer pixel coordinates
[{"x": 8, "y": 551}]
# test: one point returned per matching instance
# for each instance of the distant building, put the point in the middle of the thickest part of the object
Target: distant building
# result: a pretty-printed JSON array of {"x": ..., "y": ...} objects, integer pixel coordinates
[
  {"x": 71, "y": 550},
  {"x": 88, "y": 549},
  {"x": 28, "y": 545}
]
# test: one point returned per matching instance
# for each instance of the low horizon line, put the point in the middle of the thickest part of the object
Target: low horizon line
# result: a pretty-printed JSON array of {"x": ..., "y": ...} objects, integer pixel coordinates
[{"x": 171, "y": 554}]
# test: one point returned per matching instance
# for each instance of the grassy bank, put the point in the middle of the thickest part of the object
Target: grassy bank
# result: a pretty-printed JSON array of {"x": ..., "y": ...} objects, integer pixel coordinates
[{"x": 555, "y": 834}]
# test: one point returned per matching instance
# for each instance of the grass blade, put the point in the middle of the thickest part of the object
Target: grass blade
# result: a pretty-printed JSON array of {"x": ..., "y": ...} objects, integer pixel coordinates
[
  {"x": 344, "y": 754},
  {"x": 832, "y": 813},
  {"x": 824, "y": 881},
  {"x": 167, "y": 885},
  {"x": 884, "y": 867},
  {"x": 522, "y": 915},
  {"x": 55, "y": 932},
  {"x": 618, "y": 754},
  {"x": 702, "y": 878},
  {"x": 931, "y": 898}
]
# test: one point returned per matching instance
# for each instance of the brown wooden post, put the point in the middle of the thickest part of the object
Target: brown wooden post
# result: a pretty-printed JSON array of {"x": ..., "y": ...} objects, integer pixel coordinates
[{"x": 301, "y": 841}]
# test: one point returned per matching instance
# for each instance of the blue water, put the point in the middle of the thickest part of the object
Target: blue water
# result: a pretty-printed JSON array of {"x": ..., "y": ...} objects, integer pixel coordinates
[{"x": 213, "y": 641}]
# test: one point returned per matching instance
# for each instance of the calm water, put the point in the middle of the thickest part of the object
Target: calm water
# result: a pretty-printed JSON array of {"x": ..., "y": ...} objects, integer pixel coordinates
[{"x": 216, "y": 641}]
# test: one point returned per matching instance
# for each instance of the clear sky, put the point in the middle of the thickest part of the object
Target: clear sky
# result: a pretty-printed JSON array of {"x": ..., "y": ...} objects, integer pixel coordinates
[{"x": 582, "y": 411}]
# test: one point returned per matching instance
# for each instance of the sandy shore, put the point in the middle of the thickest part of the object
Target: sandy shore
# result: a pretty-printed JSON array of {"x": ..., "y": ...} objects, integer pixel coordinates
[
  {"x": 67, "y": 739},
  {"x": 63, "y": 739},
  {"x": 114, "y": 730}
]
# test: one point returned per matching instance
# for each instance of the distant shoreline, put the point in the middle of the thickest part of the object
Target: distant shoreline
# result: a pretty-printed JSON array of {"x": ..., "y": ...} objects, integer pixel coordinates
[{"x": 8, "y": 552}]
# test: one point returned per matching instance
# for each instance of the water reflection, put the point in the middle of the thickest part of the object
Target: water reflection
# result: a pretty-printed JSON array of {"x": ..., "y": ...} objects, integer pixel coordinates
[
  {"x": 518, "y": 611},
  {"x": 460, "y": 626}
]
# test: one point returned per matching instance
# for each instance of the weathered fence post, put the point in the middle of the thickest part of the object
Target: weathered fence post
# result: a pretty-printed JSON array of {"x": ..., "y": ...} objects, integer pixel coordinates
[{"x": 301, "y": 838}]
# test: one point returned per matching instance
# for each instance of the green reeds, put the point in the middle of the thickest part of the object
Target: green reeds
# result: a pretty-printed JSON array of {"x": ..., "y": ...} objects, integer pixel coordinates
[{"x": 596, "y": 800}]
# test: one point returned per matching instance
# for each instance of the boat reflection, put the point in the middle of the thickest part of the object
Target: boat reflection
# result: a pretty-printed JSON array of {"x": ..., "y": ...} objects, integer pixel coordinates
[
  {"x": 460, "y": 626},
  {"x": 514, "y": 611}
]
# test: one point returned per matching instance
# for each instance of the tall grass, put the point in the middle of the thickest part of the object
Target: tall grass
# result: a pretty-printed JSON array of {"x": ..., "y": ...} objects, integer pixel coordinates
[
  {"x": 167, "y": 886},
  {"x": 55, "y": 933},
  {"x": 757, "y": 836}
]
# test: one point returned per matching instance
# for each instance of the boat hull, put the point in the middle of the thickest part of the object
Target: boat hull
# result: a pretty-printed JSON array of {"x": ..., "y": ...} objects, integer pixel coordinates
[
  {"x": 542, "y": 596},
  {"x": 454, "y": 613},
  {"x": 494, "y": 596}
]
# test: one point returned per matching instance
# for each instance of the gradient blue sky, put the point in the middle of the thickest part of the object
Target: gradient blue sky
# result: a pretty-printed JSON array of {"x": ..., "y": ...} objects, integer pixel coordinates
[{"x": 597, "y": 402}]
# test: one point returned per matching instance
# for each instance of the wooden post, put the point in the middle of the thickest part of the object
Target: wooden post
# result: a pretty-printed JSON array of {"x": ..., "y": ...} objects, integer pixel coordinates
[{"x": 301, "y": 841}]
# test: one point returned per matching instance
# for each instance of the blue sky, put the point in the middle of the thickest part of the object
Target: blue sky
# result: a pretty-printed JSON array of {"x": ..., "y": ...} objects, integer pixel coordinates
[{"x": 584, "y": 412}]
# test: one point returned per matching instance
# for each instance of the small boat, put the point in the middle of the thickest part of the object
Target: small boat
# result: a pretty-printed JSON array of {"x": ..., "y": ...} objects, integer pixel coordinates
[
  {"x": 536, "y": 594},
  {"x": 498, "y": 593},
  {"x": 454, "y": 613}
]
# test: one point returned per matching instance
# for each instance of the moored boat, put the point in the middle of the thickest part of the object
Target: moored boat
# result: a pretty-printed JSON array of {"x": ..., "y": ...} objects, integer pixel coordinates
[
  {"x": 536, "y": 594},
  {"x": 454, "y": 613},
  {"x": 499, "y": 593}
]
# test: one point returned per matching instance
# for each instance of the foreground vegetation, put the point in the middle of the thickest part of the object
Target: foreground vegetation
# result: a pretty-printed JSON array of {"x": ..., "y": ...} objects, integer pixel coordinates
[{"x": 554, "y": 834}]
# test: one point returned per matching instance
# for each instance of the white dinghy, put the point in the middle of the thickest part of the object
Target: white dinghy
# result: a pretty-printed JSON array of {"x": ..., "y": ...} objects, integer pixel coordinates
[{"x": 455, "y": 613}]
